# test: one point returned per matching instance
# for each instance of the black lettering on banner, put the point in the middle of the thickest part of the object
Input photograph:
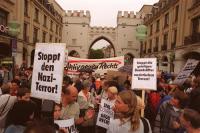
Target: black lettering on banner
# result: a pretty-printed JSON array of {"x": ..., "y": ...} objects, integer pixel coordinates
[
  {"x": 48, "y": 57},
  {"x": 106, "y": 106},
  {"x": 102, "y": 65},
  {"x": 71, "y": 129},
  {"x": 47, "y": 67},
  {"x": 44, "y": 88}
]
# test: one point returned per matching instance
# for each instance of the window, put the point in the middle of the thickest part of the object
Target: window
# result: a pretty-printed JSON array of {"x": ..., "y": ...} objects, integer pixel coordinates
[
  {"x": 176, "y": 13},
  {"x": 175, "y": 36},
  {"x": 73, "y": 41},
  {"x": 165, "y": 39},
  {"x": 157, "y": 42},
  {"x": 157, "y": 25},
  {"x": 50, "y": 38},
  {"x": 44, "y": 36},
  {"x": 145, "y": 47},
  {"x": 60, "y": 31},
  {"x": 25, "y": 33},
  {"x": 151, "y": 29},
  {"x": 45, "y": 21},
  {"x": 51, "y": 26},
  {"x": 195, "y": 25},
  {"x": 56, "y": 29},
  {"x": 56, "y": 39},
  {"x": 130, "y": 43},
  {"x": 150, "y": 46},
  {"x": 36, "y": 15},
  {"x": 166, "y": 20},
  {"x": 35, "y": 35},
  {"x": 26, "y": 7},
  {"x": 3, "y": 17}
]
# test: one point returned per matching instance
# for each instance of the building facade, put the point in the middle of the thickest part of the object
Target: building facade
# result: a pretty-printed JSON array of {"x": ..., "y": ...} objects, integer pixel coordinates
[
  {"x": 173, "y": 33},
  {"x": 80, "y": 36},
  {"x": 40, "y": 21},
  {"x": 8, "y": 43}
]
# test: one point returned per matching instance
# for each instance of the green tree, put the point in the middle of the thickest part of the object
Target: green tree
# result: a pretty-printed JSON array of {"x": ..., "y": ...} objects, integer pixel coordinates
[{"x": 96, "y": 54}]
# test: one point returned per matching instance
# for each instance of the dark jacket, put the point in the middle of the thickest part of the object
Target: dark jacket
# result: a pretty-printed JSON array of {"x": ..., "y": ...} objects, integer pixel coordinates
[{"x": 165, "y": 118}]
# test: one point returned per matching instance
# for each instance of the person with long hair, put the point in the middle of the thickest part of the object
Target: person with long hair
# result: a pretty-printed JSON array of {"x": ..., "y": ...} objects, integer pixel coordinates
[{"x": 128, "y": 118}]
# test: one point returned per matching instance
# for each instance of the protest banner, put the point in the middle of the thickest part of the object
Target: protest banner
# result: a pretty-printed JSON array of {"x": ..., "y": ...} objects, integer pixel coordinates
[
  {"x": 186, "y": 71},
  {"x": 144, "y": 74},
  {"x": 98, "y": 65},
  {"x": 67, "y": 124},
  {"x": 105, "y": 113},
  {"x": 48, "y": 71}
]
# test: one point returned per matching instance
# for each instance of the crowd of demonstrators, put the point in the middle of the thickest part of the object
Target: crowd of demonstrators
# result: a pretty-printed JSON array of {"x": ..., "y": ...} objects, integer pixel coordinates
[{"x": 169, "y": 109}]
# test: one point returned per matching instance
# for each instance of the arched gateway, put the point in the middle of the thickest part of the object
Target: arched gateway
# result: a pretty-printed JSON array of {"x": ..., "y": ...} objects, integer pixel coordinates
[{"x": 80, "y": 36}]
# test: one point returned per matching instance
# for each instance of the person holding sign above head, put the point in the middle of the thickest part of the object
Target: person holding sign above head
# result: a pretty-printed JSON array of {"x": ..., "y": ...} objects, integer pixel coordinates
[{"x": 128, "y": 120}]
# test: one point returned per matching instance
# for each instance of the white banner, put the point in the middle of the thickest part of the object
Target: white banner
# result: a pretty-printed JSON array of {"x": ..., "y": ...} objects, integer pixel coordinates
[
  {"x": 48, "y": 71},
  {"x": 98, "y": 65},
  {"x": 144, "y": 74},
  {"x": 186, "y": 71},
  {"x": 105, "y": 113},
  {"x": 67, "y": 124}
]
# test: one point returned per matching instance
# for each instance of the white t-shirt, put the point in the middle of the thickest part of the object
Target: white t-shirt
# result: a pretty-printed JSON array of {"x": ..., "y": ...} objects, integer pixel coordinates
[{"x": 116, "y": 127}]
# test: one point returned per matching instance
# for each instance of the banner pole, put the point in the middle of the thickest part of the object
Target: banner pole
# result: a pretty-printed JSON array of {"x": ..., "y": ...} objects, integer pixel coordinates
[{"x": 143, "y": 100}]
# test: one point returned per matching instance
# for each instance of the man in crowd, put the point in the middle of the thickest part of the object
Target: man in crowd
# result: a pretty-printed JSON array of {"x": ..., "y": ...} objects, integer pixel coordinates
[
  {"x": 7, "y": 102},
  {"x": 168, "y": 114},
  {"x": 190, "y": 119},
  {"x": 70, "y": 108}
]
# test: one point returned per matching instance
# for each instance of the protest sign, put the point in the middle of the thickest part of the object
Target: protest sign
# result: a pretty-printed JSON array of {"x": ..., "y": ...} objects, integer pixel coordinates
[
  {"x": 48, "y": 71},
  {"x": 186, "y": 71},
  {"x": 144, "y": 74},
  {"x": 105, "y": 113},
  {"x": 98, "y": 65},
  {"x": 67, "y": 124}
]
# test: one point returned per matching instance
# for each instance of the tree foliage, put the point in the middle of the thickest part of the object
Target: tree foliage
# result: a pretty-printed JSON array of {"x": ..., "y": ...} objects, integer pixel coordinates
[{"x": 96, "y": 54}]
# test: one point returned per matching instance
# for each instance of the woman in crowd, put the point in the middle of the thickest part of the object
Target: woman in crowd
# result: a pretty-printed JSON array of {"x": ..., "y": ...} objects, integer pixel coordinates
[
  {"x": 86, "y": 107},
  {"x": 128, "y": 117}
]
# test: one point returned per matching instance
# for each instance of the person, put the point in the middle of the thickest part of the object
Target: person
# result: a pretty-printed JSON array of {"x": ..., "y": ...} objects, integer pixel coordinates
[
  {"x": 7, "y": 102},
  {"x": 112, "y": 94},
  {"x": 85, "y": 97},
  {"x": 23, "y": 94},
  {"x": 57, "y": 111},
  {"x": 194, "y": 96},
  {"x": 86, "y": 108},
  {"x": 70, "y": 108},
  {"x": 15, "y": 84},
  {"x": 128, "y": 119},
  {"x": 190, "y": 119},
  {"x": 20, "y": 115},
  {"x": 67, "y": 81},
  {"x": 167, "y": 119},
  {"x": 39, "y": 127},
  {"x": 127, "y": 85}
]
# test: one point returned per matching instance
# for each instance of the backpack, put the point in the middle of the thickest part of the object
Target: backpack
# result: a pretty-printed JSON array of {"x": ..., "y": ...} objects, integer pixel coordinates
[{"x": 146, "y": 125}]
